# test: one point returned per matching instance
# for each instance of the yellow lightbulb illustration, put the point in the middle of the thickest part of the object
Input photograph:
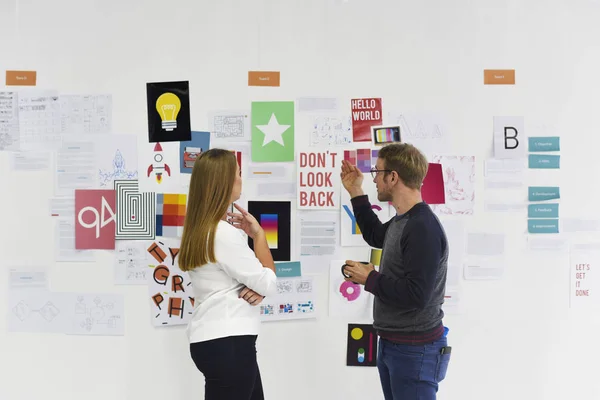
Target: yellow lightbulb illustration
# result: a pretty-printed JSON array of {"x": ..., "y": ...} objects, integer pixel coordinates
[{"x": 168, "y": 106}]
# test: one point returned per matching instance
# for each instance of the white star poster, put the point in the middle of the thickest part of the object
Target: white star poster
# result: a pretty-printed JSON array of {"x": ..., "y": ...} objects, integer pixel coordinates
[{"x": 272, "y": 131}]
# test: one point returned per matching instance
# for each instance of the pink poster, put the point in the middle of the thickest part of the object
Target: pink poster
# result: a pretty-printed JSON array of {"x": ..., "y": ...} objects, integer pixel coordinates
[
  {"x": 95, "y": 219},
  {"x": 433, "y": 185},
  {"x": 365, "y": 113}
]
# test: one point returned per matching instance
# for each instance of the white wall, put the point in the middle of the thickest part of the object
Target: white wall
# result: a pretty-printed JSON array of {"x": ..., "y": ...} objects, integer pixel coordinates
[{"x": 515, "y": 338}]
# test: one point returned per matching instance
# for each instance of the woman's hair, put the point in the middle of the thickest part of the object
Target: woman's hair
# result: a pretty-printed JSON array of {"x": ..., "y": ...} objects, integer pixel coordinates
[{"x": 211, "y": 184}]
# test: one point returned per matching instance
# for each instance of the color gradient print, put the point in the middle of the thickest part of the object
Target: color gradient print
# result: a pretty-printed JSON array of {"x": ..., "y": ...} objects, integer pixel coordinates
[
  {"x": 362, "y": 346},
  {"x": 364, "y": 159},
  {"x": 385, "y": 134},
  {"x": 170, "y": 214},
  {"x": 275, "y": 219},
  {"x": 269, "y": 225}
]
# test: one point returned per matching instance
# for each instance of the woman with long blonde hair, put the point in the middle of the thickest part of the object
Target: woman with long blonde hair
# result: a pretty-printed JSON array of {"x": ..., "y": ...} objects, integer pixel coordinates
[{"x": 228, "y": 279}]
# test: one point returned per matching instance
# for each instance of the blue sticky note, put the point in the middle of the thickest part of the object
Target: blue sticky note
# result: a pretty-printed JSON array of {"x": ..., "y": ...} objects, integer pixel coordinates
[
  {"x": 190, "y": 150},
  {"x": 544, "y": 161},
  {"x": 544, "y": 143},
  {"x": 543, "y": 210},
  {"x": 542, "y": 225},
  {"x": 541, "y": 193},
  {"x": 288, "y": 269}
]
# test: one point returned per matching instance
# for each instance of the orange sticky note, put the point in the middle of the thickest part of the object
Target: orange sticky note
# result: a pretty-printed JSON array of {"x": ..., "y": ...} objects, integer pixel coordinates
[
  {"x": 21, "y": 78},
  {"x": 263, "y": 78},
  {"x": 498, "y": 76}
]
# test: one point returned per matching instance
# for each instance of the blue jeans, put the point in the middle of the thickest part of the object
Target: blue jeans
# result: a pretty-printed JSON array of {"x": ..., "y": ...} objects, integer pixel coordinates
[{"x": 409, "y": 372}]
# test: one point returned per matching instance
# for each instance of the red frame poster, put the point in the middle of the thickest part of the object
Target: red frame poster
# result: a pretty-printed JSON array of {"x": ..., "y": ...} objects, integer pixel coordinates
[{"x": 365, "y": 113}]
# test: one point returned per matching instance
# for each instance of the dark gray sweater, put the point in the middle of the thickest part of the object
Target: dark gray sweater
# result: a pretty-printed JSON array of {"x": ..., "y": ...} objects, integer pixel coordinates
[{"x": 410, "y": 285}]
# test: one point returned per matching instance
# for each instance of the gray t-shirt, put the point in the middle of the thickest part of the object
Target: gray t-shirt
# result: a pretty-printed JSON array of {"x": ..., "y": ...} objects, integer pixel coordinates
[{"x": 410, "y": 285}]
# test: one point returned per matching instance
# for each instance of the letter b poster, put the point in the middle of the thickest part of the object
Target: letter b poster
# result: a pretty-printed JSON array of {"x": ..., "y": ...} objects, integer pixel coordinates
[
  {"x": 510, "y": 140},
  {"x": 365, "y": 113}
]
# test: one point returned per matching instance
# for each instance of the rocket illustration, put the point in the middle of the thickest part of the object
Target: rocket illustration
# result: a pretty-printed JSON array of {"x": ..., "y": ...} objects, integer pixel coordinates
[{"x": 158, "y": 167}]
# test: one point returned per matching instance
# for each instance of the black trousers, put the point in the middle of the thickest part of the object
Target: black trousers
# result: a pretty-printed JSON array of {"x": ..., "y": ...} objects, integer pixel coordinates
[{"x": 229, "y": 367}]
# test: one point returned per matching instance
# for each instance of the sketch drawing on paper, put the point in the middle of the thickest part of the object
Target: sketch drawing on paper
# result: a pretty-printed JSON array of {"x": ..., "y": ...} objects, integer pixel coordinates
[
  {"x": 459, "y": 183},
  {"x": 305, "y": 307},
  {"x": 48, "y": 311},
  {"x": 424, "y": 130},
  {"x": 284, "y": 286},
  {"x": 304, "y": 286},
  {"x": 9, "y": 122},
  {"x": 331, "y": 131},
  {"x": 98, "y": 313},
  {"x": 119, "y": 171},
  {"x": 229, "y": 126}
]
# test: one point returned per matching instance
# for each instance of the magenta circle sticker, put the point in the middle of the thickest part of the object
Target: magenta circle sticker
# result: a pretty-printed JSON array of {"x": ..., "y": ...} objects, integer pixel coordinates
[{"x": 350, "y": 290}]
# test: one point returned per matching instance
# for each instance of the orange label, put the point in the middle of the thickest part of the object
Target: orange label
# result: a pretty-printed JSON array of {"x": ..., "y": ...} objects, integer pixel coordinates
[
  {"x": 21, "y": 78},
  {"x": 498, "y": 76},
  {"x": 263, "y": 78}
]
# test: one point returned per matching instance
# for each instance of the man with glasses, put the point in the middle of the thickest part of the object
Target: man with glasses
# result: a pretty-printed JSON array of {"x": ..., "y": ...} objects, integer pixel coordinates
[{"x": 409, "y": 288}]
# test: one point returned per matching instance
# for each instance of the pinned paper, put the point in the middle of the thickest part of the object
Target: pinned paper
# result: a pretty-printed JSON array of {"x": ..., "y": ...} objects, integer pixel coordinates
[
  {"x": 288, "y": 269},
  {"x": 362, "y": 345},
  {"x": 542, "y": 225},
  {"x": 543, "y": 210},
  {"x": 509, "y": 137},
  {"x": 541, "y": 193},
  {"x": 168, "y": 108},
  {"x": 539, "y": 161},
  {"x": 545, "y": 143},
  {"x": 263, "y": 78},
  {"x": 498, "y": 76},
  {"x": 375, "y": 257},
  {"x": 433, "y": 191},
  {"x": 21, "y": 78},
  {"x": 365, "y": 113},
  {"x": 275, "y": 219}
]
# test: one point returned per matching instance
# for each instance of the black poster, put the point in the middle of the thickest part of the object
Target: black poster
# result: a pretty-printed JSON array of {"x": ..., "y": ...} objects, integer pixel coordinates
[
  {"x": 168, "y": 111},
  {"x": 362, "y": 346},
  {"x": 274, "y": 217}
]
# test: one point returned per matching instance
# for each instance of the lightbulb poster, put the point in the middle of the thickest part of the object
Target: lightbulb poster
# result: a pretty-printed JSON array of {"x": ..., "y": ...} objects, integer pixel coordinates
[
  {"x": 168, "y": 111},
  {"x": 275, "y": 219}
]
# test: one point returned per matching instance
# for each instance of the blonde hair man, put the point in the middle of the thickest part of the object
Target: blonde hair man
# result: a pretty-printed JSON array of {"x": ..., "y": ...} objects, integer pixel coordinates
[{"x": 413, "y": 353}]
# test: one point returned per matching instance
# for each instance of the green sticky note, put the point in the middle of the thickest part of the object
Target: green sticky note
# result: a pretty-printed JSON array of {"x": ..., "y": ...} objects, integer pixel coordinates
[
  {"x": 541, "y": 193},
  {"x": 544, "y": 161},
  {"x": 288, "y": 269},
  {"x": 543, "y": 210},
  {"x": 544, "y": 143},
  {"x": 547, "y": 225},
  {"x": 272, "y": 131}
]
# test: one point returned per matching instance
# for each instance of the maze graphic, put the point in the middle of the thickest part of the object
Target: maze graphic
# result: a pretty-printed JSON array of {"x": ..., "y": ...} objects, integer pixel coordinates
[{"x": 136, "y": 212}]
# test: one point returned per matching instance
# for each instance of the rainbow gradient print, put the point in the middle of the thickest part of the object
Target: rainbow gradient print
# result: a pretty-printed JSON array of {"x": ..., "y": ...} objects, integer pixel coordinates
[{"x": 269, "y": 224}]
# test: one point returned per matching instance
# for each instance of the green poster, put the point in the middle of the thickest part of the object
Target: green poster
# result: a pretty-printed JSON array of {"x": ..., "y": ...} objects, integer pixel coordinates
[{"x": 272, "y": 131}]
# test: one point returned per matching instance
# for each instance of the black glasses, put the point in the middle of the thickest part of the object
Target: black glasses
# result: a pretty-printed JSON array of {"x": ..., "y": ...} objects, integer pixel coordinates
[{"x": 374, "y": 171}]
